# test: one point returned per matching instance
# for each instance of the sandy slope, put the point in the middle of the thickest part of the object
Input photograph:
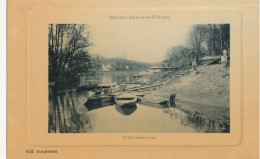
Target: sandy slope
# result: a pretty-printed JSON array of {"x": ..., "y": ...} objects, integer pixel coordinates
[
  {"x": 207, "y": 85},
  {"x": 202, "y": 92}
]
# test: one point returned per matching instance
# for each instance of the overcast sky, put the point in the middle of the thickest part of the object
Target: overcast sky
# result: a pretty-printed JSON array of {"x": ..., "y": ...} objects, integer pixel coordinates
[{"x": 147, "y": 42}]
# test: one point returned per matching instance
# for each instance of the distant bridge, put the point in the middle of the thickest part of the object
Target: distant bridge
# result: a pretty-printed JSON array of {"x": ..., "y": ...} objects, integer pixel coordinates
[{"x": 163, "y": 68}]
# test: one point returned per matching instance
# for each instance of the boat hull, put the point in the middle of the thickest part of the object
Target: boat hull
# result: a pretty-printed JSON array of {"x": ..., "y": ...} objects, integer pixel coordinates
[
  {"x": 100, "y": 99},
  {"x": 125, "y": 102}
]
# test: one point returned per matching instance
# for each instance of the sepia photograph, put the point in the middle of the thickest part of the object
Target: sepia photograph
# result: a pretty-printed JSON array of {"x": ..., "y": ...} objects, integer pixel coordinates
[
  {"x": 131, "y": 78},
  {"x": 138, "y": 79}
]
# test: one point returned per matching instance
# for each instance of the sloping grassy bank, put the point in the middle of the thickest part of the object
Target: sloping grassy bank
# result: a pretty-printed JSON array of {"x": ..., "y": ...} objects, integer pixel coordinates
[{"x": 203, "y": 93}]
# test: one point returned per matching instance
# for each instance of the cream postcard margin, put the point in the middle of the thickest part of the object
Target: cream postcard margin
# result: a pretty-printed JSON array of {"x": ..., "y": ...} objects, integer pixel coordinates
[
  {"x": 28, "y": 83},
  {"x": 38, "y": 80}
]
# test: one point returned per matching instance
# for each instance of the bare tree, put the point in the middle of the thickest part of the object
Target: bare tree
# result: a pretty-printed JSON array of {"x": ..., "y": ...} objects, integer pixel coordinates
[
  {"x": 195, "y": 40},
  {"x": 210, "y": 39},
  {"x": 177, "y": 56},
  {"x": 217, "y": 38},
  {"x": 66, "y": 41}
]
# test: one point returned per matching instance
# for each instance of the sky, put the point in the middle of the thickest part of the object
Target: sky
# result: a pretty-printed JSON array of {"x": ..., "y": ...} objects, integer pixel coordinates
[{"x": 139, "y": 41}]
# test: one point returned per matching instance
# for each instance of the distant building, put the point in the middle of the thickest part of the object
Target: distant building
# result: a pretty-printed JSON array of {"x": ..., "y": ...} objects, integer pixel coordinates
[{"x": 106, "y": 67}]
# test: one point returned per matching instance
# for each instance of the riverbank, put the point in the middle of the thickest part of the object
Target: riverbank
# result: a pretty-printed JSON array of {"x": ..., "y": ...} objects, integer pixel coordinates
[
  {"x": 202, "y": 92},
  {"x": 207, "y": 85}
]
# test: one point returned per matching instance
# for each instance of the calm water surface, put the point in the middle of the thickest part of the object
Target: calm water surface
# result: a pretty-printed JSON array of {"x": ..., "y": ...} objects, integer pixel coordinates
[{"x": 69, "y": 113}]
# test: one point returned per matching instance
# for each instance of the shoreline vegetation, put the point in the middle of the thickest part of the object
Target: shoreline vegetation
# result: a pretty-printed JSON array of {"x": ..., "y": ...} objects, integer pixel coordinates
[
  {"x": 69, "y": 56},
  {"x": 68, "y": 48},
  {"x": 203, "y": 93},
  {"x": 200, "y": 80}
]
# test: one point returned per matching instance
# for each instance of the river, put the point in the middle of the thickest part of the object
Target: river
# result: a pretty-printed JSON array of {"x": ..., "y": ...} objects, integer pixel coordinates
[{"x": 69, "y": 113}]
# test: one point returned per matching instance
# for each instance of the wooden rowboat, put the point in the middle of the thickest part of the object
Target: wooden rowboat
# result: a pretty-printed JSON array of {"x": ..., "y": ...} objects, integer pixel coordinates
[{"x": 125, "y": 99}]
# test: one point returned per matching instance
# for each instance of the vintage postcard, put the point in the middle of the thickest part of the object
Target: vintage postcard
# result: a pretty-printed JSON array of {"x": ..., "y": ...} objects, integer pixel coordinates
[
  {"x": 132, "y": 79},
  {"x": 152, "y": 81}
]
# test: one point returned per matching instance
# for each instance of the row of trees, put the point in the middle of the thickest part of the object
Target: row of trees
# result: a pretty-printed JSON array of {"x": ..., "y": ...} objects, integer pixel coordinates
[
  {"x": 177, "y": 56},
  {"x": 202, "y": 40},
  {"x": 68, "y": 46},
  {"x": 118, "y": 63},
  {"x": 68, "y": 50}
]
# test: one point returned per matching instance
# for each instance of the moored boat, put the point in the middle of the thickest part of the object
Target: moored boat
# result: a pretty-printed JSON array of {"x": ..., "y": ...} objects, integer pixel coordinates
[
  {"x": 99, "y": 99},
  {"x": 98, "y": 105},
  {"x": 125, "y": 99}
]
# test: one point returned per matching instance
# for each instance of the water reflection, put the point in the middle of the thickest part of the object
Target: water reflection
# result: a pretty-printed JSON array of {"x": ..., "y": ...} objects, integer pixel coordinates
[
  {"x": 66, "y": 115},
  {"x": 69, "y": 112},
  {"x": 197, "y": 121},
  {"x": 108, "y": 77},
  {"x": 126, "y": 109}
]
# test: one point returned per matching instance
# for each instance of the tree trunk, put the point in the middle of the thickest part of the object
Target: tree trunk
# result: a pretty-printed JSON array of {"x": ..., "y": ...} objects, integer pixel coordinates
[
  {"x": 61, "y": 52},
  {"x": 195, "y": 61}
]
